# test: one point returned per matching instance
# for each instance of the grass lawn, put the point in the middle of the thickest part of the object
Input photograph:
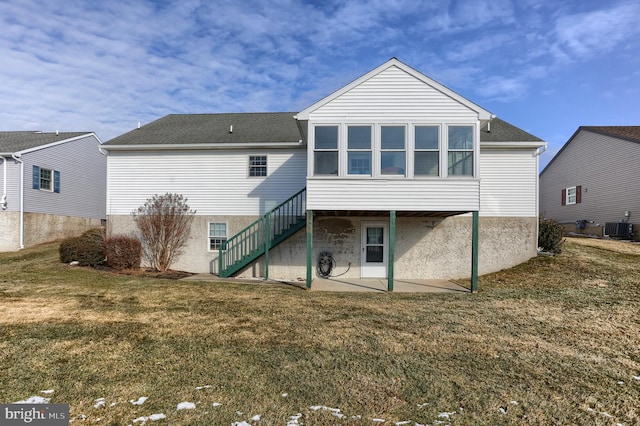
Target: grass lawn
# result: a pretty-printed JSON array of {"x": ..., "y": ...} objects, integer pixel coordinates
[{"x": 552, "y": 341}]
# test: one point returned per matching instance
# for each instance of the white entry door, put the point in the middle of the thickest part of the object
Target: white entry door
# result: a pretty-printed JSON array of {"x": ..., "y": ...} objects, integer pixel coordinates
[{"x": 375, "y": 250}]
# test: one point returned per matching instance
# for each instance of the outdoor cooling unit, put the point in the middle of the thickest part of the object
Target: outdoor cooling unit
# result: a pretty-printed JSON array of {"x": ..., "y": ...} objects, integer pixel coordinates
[{"x": 618, "y": 229}]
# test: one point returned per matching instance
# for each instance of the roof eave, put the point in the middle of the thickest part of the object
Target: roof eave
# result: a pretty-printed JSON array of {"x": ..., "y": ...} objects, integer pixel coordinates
[
  {"x": 194, "y": 146},
  {"x": 513, "y": 144}
]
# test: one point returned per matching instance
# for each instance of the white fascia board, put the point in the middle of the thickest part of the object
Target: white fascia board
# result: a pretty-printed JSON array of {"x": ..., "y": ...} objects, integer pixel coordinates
[
  {"x": 483, "y": 114},
  {"x": 38, "y": 148},
  {"x": 528, "y": 144},
  {"x": 192, "y": 146}
]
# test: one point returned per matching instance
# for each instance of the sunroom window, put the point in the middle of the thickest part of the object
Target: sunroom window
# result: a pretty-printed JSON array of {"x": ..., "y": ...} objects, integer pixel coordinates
[
  {"x": 427, "y": 151},
  {"x": 460, "y": 154},
  {"x": 393, "y": 152},
  {"x": 359, "y": 150},
  {"x": 326, "y": 150}
]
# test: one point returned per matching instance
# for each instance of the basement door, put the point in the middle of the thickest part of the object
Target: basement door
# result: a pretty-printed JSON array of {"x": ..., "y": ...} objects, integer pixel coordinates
[{"x": 375, "y": 250}]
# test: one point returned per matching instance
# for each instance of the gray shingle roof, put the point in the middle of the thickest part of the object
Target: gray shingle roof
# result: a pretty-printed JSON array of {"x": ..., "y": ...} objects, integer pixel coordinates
[
  {"x": 630, "y": 133},
  {"x": 11, "y": 142},
  {"x": 262, "y": 127},
  {"x": 501, "y": 131},
  {"x": 259, "y": 127}
]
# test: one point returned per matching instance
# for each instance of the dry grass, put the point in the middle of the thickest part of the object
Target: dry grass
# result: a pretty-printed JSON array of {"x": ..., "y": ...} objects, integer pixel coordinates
[{"x": 557, "y": 335}]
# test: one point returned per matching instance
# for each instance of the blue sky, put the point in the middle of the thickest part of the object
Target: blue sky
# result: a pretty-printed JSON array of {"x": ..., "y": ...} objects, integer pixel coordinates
[{"x": 546, "y": 66}]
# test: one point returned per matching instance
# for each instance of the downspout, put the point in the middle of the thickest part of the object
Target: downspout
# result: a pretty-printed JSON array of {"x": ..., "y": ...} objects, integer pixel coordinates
[
  {"x": 3, "y": 200},
  {"x": 17, "y": 158}
]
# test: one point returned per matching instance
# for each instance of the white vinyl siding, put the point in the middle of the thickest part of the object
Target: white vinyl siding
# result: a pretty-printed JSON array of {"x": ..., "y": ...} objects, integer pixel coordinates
[
  {"x": 394, "y": 95},
  {"x": 393, "y": 194},
  {"x": 215, "y": 182},
  {"x": 508, "y": 182},
  {"x": 13, "y": 185}
]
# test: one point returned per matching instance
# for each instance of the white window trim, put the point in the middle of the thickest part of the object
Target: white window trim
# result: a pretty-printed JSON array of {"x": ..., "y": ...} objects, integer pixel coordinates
[
  {"x": 475, "y": 150},
  {"x": 51, "y": 178},
  {"x": 378, "y": 147},
  {"x": 410, "y": 125},
  {"x": 575, "y": 194},
  {"x": 412, "y": 149},
  {"x": 311, "y": 158},
  {"x": 266, "y": 157},
  {"x": 226, "y": 225},
  {"x": 373, "y": 150}
]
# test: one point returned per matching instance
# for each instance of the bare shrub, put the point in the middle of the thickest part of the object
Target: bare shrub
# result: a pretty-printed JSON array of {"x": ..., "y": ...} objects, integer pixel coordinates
[
  {"x": 164, "y": 222},
  {"x": 123, "y": 252}
]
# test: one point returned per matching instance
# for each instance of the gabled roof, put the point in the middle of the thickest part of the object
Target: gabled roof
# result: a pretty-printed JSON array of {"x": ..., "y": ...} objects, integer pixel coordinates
[
  {"x": 12, "y": 142},
  {"x": 200, "y": 130},
  {"x": 483, "y": 114},
  {"x": 628, "y": 133}
]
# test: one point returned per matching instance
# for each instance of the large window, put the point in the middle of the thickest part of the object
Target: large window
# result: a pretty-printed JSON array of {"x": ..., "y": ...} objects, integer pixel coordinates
[
  {"x": 427, "y": 151},
  {"x": 217, "y": 234},
  {"x": 326, "y": 150},
  {"x": 460, "y": 154},
  {"x": 393, "y": 152},
  {"x": 359, "y": 150}
]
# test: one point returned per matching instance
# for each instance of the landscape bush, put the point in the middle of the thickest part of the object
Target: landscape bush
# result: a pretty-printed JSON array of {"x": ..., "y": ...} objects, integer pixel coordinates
[
  {"x": 123, "y": 252},
  {"x": 550, "y": 235},
  {"x": 164, "y": 223},
  {"x": 87, "y": 249}
]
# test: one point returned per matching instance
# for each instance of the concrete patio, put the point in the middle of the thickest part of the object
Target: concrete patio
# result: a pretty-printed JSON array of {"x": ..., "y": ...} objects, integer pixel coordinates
[{"x": 378, "y": 285}]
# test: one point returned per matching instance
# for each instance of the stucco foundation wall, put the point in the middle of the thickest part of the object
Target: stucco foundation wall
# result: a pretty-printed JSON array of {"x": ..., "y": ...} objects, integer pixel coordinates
[
  {"x": 9, "y": 231},
  {"x": 196, "y": 256},
  {"x": 41, "y": 228},
  {"x": 426, "y": 248}
]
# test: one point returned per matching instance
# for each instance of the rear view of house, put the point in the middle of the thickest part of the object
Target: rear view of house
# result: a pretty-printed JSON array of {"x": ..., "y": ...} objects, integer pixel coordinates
[
  {"x": 52, "y": 186},
  {"x": 592, "y": 185},
  {"x": 394, "y": 175}
]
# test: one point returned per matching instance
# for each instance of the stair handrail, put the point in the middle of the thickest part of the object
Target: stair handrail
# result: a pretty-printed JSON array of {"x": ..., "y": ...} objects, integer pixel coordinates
[{"x": 227, "y": 252}]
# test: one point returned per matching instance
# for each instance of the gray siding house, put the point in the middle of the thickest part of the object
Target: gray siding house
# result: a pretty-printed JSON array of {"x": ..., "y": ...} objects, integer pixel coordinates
[
  {"x": 52, "y": 186},
  {"x": 393, "y": 176},
  {"x": 594, "y": 180}
]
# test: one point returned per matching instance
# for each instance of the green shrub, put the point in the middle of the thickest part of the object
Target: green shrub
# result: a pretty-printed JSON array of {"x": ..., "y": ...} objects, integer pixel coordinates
[
  {"x": 550, "y": 235},
  {"x": 123, "y": 252},
  {"x": 87, "y": 249}
]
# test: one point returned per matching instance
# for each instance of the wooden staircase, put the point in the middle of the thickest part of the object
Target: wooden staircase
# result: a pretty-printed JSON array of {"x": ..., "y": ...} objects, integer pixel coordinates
[{"x": 258, "y": 238}]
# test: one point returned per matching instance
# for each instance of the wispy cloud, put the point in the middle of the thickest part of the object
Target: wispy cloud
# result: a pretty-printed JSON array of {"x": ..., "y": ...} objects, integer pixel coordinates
[
  {"x": 586, "y": 34},
  {"x": 104, "y": 66}
]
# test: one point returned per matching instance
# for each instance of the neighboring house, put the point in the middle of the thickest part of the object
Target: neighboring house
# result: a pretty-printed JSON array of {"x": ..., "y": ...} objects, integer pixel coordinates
[
  {"x": 52, "y": 186},
  {"x": 394, "y": 175},
  {"x": 594, "y": 180}
]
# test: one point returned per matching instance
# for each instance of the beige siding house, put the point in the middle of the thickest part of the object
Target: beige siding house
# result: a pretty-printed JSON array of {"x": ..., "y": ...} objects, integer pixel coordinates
[
  {"x": 594, "y": 180},
  {"x": 393, "y": 176}
]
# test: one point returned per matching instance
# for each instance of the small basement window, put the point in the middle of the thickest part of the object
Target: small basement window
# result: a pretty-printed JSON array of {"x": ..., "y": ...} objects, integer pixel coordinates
[{"x": 217, "y": 235}]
